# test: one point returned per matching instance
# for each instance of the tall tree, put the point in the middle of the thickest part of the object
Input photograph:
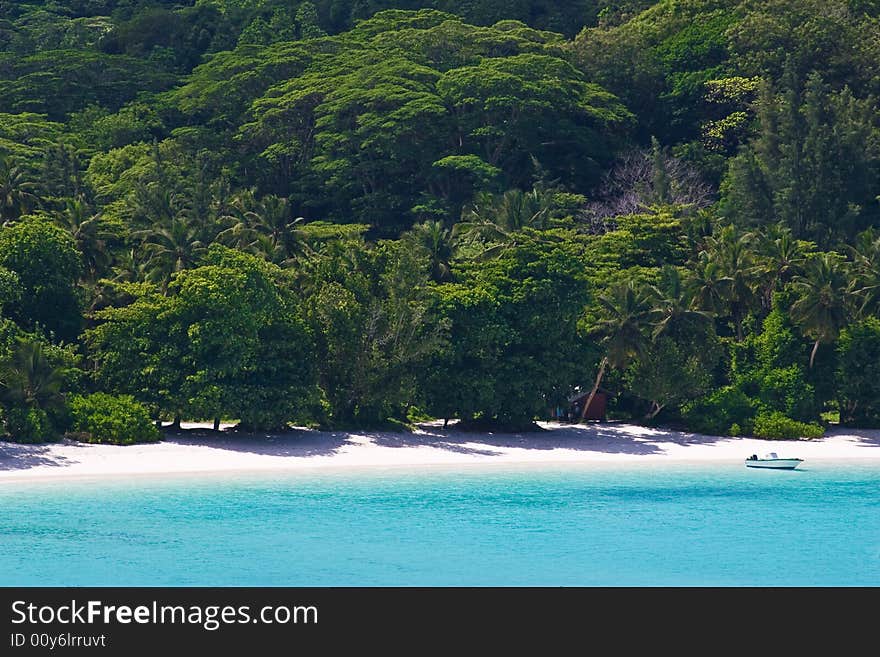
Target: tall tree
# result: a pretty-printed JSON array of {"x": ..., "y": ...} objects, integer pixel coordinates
[
  {"x": 814, "y": 165},
  {"x": 92, "y": 234},
  {"x": 16, "y": 191},
  {"x": 780, "y": 258},
  {"x": 496, "y": 220},
  {"x": 624, "y": 315},
  {"x": 710, "y": 288},
  {"x": 266, "y": 227},
  {"x": 45, "y": 258},
  {"x": 674, "y": 313},
  {"x": 169, "y": 249},
  {"x": 823, "y": 304},
  {"x": 730, "y": 248},
  {"x": 502, "y": 362},
  {"x": 440, "y": 245},
  {"x": 865, "y": 257}
]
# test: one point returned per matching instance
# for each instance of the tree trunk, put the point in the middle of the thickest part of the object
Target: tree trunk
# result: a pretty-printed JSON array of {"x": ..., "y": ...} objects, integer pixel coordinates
[
  {"x": 813, "y": 353},
  {"x": 176, "y": 423},
  {"x": 589, "y": 401},
  {"x": 216, "y": 424},
  {"x": 655, "y": 410}
]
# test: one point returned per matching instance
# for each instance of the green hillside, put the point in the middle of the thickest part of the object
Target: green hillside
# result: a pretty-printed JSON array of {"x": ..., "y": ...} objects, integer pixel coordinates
[{"x": 350, "y": 213}]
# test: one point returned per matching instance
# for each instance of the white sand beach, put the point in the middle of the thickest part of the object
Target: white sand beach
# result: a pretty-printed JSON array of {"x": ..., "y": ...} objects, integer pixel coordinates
[{"x": 200, "y": 451}]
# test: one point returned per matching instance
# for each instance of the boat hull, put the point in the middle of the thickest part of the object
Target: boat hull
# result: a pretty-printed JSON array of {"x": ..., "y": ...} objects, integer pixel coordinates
[{"x": 774, "y": 464}]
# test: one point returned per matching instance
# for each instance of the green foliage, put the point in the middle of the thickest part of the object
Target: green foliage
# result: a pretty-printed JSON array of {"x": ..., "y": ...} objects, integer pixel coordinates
[
  {"x": 769, "y": 374},
  {"x": 34, "y": 377},
  {"x": 657, "y": 239},
  {"x": 24, "y": 136},
  {"x": 17, "y": 188},
  {"x": 511, "y": 15},
  {"x": 359, "y": 211},
  {"x": 170, "y": 37},
  {"x": 858, "y": 373},
  {"x": 822, "y": 306},
  {"x": 805, "y": 35},
  {"x": 367, "y": 308},
  {"x": 774, "y": 425},
  {"x": 25, "y": 424},
  {"x": 248, "y": 353},
  {"x": 59, "y": 82},
  {"x": 672, "y": 372},
  {"x": 227, "y": 340},
  {"x": 10, "y": 288},
  {"x": 47, "y": 264},
  {"x": 139, "y": 350},
  {"x": 307, "y": 22},
  {"x": 814, "y": 165},
  {"x": 414, "y": 105},
  {"x": 111, "y": 419},
  {"x": 659, "y": 60},
  {"x": 771, "y": 367},
  {"x": 502, "y": 362},
  {"x": 786, "y": 389},
  {"x": 136, "y": 122},
  {"x": 726, "y": 411}
]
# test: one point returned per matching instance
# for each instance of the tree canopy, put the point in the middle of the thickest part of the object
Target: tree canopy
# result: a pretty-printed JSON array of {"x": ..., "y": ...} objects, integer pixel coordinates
[{"x": 350, "y": 212}]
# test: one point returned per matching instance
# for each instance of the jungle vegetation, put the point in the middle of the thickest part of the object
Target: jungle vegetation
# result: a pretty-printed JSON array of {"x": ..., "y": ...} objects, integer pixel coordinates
[{"x": 355, "y": 212}]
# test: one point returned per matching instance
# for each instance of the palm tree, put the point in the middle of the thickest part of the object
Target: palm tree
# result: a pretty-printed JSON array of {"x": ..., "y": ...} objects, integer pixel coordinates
[
  {"x": 782, "y": 257},
  {"x": 822, "y": 307},
  {"x": 698, "y": 229},
  {"x": 29, "y": 380},
  {"x": 438, "y": 241},
  {"x": 16, "y": 197},
  {"x": 865, "y": 254},
  {"x": 266, "y": 227},
  {"x": 150, "y": 204},
  {"x": 130, "y": 266},
  {"x": 170, "y": 249},
  {"x": 708, "y": 286},
  {"x": 90, "y": 234},
  {"x": 732, "y": 252},
  {"x": 673, "y": 310},
  {"x": 496, "y": 219},
  {"x": 625, "y": 311}
]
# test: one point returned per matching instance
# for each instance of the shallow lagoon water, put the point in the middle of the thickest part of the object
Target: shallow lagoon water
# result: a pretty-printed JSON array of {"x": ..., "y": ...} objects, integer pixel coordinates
[{"x": 609, "y": 525}]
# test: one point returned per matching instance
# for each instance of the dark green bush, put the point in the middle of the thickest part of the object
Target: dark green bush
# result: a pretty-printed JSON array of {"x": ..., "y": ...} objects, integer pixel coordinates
[
  {"x": 785, "y": 389},
  {"x": 858, "y": 373},
  {"x": 113, "y": 419},
  {"x": 771, "y": 368},
  {"x": 727, "y": 411},
  {"x": 28, "y": 425},
  {"x": 777, "y": 426}
]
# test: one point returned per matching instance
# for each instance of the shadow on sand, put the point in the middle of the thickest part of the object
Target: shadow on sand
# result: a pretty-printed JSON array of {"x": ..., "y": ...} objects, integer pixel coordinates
[
  {"x": 863, "y": 437},
  {"x": 607, "y": 438},
  {"x": 15, "y": 456},
  {"x": 610, "y": 438},
  {"x": 294, "y": 443}
]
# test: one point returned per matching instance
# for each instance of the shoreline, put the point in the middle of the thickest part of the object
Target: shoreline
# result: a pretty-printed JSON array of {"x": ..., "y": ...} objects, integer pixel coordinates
[{"x": 233, "y": 454}]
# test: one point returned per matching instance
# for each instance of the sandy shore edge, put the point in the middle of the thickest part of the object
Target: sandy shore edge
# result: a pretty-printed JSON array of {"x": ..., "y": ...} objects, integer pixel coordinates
[{"x": 198, "y": 452}]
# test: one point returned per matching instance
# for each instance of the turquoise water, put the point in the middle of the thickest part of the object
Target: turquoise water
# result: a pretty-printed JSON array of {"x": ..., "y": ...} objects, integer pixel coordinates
[{"x": 630, "y": 526}]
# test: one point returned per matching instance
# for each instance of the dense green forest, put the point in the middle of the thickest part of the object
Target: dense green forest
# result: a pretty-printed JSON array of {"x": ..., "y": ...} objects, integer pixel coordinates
[{"x": 361, "y": 212}]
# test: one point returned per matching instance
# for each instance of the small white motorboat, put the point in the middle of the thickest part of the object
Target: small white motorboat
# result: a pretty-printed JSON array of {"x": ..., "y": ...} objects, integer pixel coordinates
[{"x": 773, "y": 462}]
